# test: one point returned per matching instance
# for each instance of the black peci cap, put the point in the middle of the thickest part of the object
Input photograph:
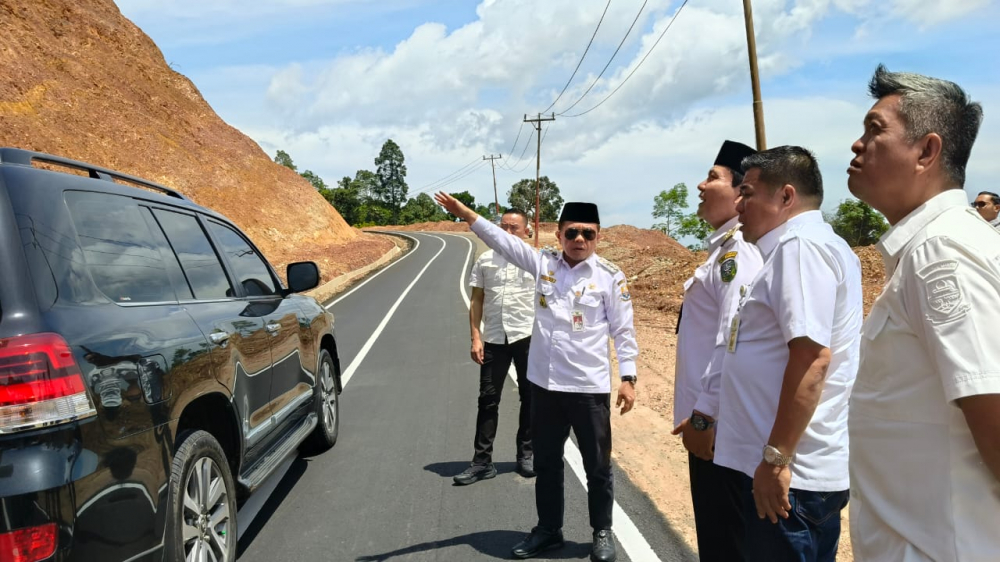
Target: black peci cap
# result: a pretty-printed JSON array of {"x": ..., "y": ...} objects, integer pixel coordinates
[
  {"x": 731, "y": 155},
  {"x": 580, "y": 212}
]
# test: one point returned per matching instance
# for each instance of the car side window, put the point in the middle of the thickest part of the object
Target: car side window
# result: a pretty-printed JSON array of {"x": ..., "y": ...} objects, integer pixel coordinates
[
  {"x": 251, "y": 271},
  {"x": 201, "y": 265},
  {"x": 121, "y": 252}
]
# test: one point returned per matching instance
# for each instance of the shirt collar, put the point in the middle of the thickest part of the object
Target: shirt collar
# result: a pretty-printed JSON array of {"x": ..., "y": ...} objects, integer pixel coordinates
[
  {"x": 769, "y": 241},
  {"x": 897, "y": 237},
  {"x": 996, "y": 221},
  {"x": 716, "y": 238}
]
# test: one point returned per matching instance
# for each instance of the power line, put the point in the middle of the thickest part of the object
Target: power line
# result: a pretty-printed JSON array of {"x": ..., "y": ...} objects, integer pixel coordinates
[
  {"x": 677, "y": 13},
  {"x": 613, "y": 55},
  {"x": 445, "y": 178},
  {"x": 532, "y": 159},
  {"x": 464, "y": 175},
  {"x": 584, "y": 55},
  {"x": 527, "y": 143}
]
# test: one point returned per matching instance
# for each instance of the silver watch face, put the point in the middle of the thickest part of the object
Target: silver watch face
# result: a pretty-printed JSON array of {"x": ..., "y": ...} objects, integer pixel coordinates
[{"x": 773, "y": 456}]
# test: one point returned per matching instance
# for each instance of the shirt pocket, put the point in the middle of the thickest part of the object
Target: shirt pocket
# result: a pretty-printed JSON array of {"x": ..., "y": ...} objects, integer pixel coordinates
[
  {"x": 545, "y": 288},
  {"x": 873, "y": 364},
  {"x": 590, "y": 306}
]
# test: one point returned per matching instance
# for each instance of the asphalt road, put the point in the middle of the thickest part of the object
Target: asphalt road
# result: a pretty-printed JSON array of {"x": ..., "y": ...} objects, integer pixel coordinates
[{"x": 385, "y": 491}]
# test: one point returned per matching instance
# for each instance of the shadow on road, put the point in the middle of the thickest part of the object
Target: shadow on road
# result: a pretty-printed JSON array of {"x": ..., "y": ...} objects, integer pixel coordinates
[
  {"x": 491, "y": 543},
  {"x": 449, "y": 469},
  {"x": 295, "y": 472}
]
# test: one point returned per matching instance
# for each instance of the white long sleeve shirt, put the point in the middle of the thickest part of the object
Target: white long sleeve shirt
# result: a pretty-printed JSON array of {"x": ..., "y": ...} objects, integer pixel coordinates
[{"x": 576, "y": 310}]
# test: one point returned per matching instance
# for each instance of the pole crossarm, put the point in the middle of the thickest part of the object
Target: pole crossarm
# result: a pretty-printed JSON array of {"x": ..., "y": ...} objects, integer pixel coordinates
[{"x": 537, "y": 123}]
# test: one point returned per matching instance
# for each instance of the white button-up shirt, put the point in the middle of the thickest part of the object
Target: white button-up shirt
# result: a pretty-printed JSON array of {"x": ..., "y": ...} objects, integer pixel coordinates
[
  {"x": 508, "y": 298},
  {"x": 566, "y": 357},
  {"x": 810, "y": 286},
  {"x": 711, "y": 296},
  {"x": 919, "y": 488}
]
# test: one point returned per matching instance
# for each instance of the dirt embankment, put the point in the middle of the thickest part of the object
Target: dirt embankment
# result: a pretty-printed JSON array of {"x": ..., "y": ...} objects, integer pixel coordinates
[{"x": 84, "y": 82}]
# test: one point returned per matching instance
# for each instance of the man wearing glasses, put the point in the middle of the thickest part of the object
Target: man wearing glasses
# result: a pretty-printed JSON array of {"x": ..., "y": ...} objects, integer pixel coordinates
[
  {"x": 581, "y": 300},
  {"x": 504, "y": 297},
  {"x": 988, "y": 205}
]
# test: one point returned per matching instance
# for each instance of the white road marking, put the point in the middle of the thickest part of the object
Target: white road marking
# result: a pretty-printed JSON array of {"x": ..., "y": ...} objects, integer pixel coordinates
[
  {"x": 346, "y": 377},
  {"x": 628, "y": 534},
  {"x": 381, "y": 271}
]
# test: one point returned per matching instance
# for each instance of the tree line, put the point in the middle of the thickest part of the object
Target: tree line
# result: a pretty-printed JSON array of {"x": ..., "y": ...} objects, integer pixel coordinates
[
  {"x": 854, "y": 221},
  {"x": 380, "y": 197}
]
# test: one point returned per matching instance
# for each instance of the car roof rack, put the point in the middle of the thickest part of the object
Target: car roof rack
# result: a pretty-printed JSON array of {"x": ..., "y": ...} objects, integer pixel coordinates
[{"x": 26, "y": 157}]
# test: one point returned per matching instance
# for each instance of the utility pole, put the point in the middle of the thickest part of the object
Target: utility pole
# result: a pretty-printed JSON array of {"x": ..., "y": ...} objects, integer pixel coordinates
[
  {"x": 496, "y": 199},
  {"x": 758, "y": 105},
  {"x": 537, "y": 123}
]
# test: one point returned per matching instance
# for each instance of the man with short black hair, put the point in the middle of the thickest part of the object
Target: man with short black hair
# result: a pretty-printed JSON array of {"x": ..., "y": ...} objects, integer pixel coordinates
[
  {"x": 503, "y": 304},
  {"x": 791, "y": 360},
  {"x": 925, "y": 413},
  {"x": 988, "y": 205},
  {"x": 710, "y": 299},
  {"x": 582, "y": 300}
]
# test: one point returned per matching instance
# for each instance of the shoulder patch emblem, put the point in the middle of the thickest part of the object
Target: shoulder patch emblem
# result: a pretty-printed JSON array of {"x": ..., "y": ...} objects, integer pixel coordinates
[
  {"x": 727, "y": 256},
  {"x": 626, "y": 296},
  {"x": 608, "y": 265},
  {"x": 945, "y": 300},
  {"x": 728, "y": 268}
]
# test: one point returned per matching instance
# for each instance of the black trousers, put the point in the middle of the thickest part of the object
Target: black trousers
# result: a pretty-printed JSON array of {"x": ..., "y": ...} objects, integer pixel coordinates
[
  {"x": 492, "y": 375},
  {"x": 589, "y": 415},
  {"x": 717, "y": 494}
]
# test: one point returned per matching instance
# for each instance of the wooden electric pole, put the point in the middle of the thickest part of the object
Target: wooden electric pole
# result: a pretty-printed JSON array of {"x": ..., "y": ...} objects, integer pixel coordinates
[
  {"x": 758, "y": 105},
  {"x": 537, "y": 122},
  {"x": 496, "y": 198}
]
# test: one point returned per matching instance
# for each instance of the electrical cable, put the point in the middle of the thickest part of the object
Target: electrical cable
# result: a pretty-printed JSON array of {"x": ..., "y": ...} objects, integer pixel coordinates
[
  {"x": 583, "y": 56},
  {"x": 437, "y": 181},
  {"x": 672, "y": 20}
]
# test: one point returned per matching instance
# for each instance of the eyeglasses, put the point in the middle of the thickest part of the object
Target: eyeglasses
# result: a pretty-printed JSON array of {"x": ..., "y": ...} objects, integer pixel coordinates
[
  {"x": 979, "y": 204},
  {"x": 588, "y": 233}
]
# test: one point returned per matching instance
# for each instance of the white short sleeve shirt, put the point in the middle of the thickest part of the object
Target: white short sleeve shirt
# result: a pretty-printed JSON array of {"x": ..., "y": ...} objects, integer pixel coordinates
[
  {"x": 809, "y": 286},
  {"x": 710, "y": 299},
  {"x": 919, "y": 488},
  {"x": 508, "y": 298}
]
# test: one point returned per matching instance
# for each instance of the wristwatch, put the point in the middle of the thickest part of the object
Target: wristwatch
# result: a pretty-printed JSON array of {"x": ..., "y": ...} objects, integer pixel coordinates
[
  {"x": 629, "y": 378},
  {"x": 700, "y": 422},
  {"x": 774, "y": 457}
]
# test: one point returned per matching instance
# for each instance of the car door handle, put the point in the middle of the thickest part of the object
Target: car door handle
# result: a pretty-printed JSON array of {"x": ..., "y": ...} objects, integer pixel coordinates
[
  {"x": 272, "y": 328},
  {"x": 219, "y": 338}
]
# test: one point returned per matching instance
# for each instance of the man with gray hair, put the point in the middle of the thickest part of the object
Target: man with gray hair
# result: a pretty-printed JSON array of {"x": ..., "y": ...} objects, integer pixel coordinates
[{"x": 925, "y": 413}]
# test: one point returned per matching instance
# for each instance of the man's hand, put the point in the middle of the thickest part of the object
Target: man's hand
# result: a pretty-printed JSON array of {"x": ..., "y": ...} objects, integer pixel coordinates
[
  {"x": 770, "y": 491},
  {"x": 699, "y": 443},
  {"x": 477, "y": 350},
  {"x": 626, "y": 395},
  {"x": 455, "y": 207}
]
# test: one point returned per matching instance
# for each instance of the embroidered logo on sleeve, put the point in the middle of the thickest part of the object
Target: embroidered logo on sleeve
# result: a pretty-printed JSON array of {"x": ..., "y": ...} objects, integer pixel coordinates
[
  {"x": 728, "y": 268},
  {"x": 945, "y": 300},
  {"x": 626, "y": 296}
]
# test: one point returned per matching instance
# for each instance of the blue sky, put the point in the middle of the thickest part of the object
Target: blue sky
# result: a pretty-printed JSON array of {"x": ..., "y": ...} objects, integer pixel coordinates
[{"x": 329, "y": 80}]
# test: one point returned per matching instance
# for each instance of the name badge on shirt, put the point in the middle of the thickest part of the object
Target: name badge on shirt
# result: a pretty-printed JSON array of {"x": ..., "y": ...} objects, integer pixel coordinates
[
  {"x": 734, "y": 332},
  {"x": 577, "y": 321}
]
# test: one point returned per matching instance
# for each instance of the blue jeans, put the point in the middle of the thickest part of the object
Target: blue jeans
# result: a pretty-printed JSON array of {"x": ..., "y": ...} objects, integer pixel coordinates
[{"x": 810, "y": 534}]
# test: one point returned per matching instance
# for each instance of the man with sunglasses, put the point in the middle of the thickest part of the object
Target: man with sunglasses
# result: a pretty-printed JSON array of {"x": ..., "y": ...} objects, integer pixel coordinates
[
  {"x": 710, "y": 299},
  {"x": 988, "y": 205},
  {"x": 581, "y": 300},
  {"x": 503, "y": 304}
]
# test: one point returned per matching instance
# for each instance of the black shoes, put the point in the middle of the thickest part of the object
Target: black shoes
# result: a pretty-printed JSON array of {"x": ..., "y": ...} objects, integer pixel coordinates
[
  {"x": 526, "y": 467},
  {"x": 475, "y": 473},
  {"x": 604, "y": 547},
  {"x": 540, "y": 540}
]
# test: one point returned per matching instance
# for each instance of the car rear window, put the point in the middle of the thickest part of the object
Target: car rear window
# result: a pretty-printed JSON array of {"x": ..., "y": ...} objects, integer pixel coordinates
[{"x": 121, "y": 251}]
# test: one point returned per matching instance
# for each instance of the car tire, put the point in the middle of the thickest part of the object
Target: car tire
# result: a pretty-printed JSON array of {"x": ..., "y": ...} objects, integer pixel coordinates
[
  {"x": 201, "y": 502},
  {"x": 327, "y": 400}
]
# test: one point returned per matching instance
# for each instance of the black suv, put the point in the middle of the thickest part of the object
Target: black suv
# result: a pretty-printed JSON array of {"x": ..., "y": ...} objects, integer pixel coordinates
[{"x": 153, "y": 369}]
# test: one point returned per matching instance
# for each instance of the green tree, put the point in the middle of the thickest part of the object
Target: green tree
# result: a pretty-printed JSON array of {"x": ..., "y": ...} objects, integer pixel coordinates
[
  {"x": 522, "y": 196},
  {"x": 696, "y": 227},
  {"x": 285, "y": 160},
  {"x": 391, "y": 172},
  {"x": 315, "y": 180},
  {"x": 422, "y": 208},
  {"x": 669, "y": 206},
  {"x": 857, "y": 223},
  {"x": 467, "y": 199}
]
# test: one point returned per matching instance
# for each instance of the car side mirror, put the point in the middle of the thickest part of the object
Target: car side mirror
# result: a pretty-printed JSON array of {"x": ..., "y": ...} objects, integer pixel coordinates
[{"x": 302, "y": 276}]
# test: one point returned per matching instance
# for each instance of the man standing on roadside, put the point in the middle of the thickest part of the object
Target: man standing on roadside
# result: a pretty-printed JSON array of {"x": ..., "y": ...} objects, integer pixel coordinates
[
  {"x": 503, "y": 297},
  {"x": 710, "y": 300},
  {"x": 792, "y": 355},
  {"x": 988, "y": 205},
  {"x": 581, "y": 301},
  {"x": 925, "y": 415}
]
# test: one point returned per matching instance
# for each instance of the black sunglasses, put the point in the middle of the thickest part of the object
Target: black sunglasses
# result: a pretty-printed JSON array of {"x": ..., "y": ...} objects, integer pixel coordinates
[
  {"x": 979, "y": 204},
  {"x": 588, "y": 233}
]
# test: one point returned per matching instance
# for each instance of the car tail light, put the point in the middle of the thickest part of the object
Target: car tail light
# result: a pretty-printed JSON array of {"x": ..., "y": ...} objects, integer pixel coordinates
[
  {"x": 40, "y": 383},
  {"x": 29, "y": 545}
]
